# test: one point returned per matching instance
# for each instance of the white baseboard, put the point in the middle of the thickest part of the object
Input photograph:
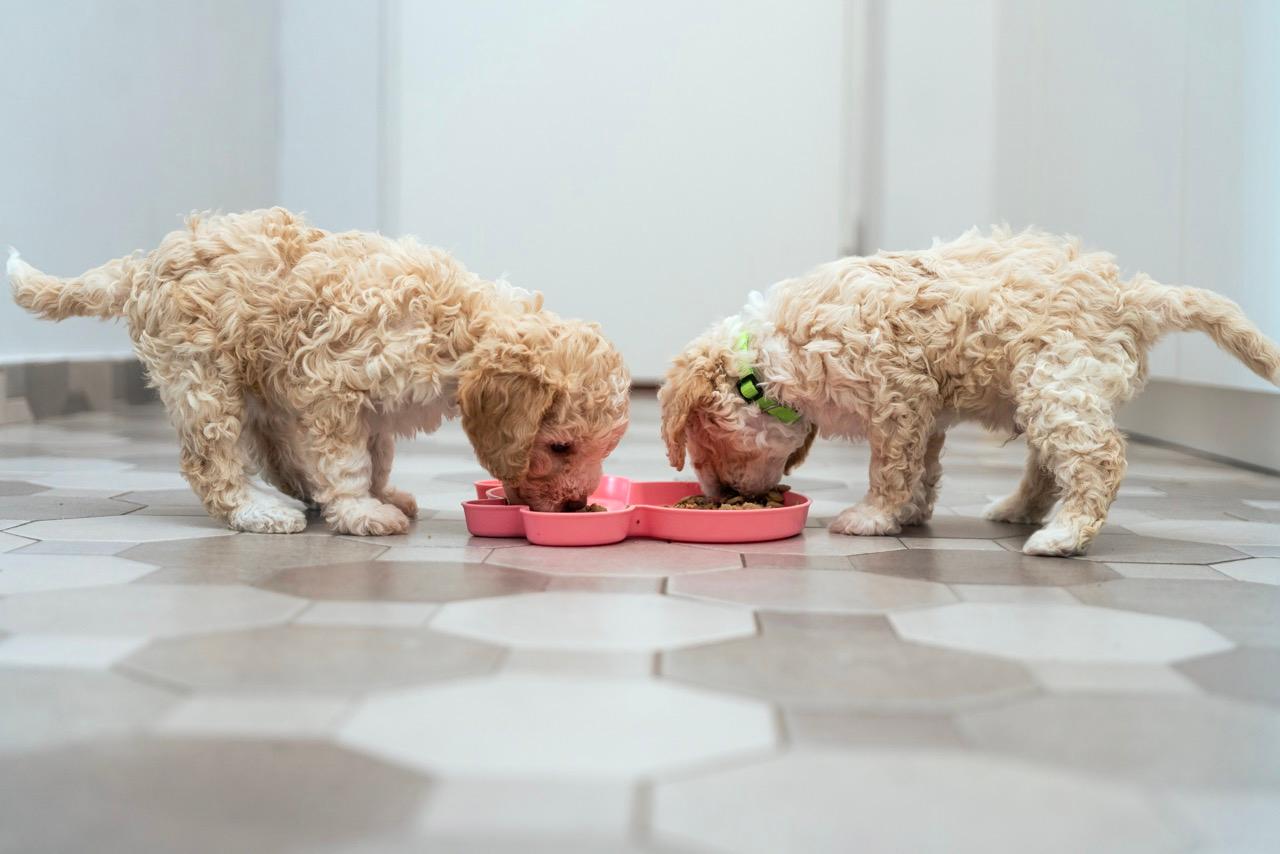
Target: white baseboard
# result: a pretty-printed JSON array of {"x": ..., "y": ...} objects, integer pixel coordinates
[{"x": 1231, "y": 424}]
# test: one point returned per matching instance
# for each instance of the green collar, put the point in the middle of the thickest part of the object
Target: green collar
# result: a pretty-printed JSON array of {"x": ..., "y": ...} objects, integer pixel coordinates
[{"x": 749, "y": 386}]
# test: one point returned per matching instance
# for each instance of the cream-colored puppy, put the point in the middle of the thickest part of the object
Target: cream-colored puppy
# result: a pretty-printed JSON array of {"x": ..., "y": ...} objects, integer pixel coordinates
[
  {"x": 1021, "y": 332},
  {"x": 312, "y": 351}
]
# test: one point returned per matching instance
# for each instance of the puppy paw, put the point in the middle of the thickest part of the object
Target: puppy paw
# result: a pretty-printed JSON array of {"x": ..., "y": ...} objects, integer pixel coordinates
[
  {"x": 918, "y": 517},
  {"x": 402, "y": 501},
  {"x": 866, "y": 521},
  {"x": 1057, "y": 541},
  {"x": 366, "y": 517},
  {"x": 1012, "y": 510},
  {"x": 265, "y": 516}
]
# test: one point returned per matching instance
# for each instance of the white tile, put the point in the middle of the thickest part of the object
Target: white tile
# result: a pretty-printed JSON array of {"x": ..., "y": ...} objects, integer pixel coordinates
[
  {"x": 1230, "y": 822},
  {"x": 812, "y": 542},
  {"x": 518, "y": 727},
  {"x": 952, "y": 543},
  {"x": 587, "y": 621},
  {"x": 461, "y": 554},
  {"x": 1064, "y": 677},
  {"x": 1260, "y": 570},
  {"x": 130, "y": 529},
  {"x": 1166, "y": 570},
  {"x": 388, "y": 614},
  {"x": 113, "y": 482},
  {"x": 919, "y": 801},
  {"x": 145, "y": 609},
  {"x": 27, "y": 573},
  {"x": 9, "y": 542},
  {"x": 629, "y": 558},
  {"x": 84, "y": 652},
  {"x": 818, "y": 592},
  {"x": 1262, "y": 504},
  {"x": 1013, "y": 593},
  {"x": 27, "y": 468},
  {"x": 523, "y": 809},
  {"x": 1047, "y": 632},
  {"x": 278, "y": 717},
  {"x": 1225, "y": 531},
  {"x": 9, "y": 523},
  {"x": 1258, "y": 551},
  {"x": 576, "y": 663}
]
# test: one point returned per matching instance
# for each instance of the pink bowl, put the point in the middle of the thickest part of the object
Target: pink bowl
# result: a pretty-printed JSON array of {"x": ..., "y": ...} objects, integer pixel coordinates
[{"x": 636, "y": 509}]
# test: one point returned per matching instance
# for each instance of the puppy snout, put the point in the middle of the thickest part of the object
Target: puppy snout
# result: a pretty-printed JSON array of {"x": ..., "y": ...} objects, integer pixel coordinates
[{"x": 573, "y": 505}]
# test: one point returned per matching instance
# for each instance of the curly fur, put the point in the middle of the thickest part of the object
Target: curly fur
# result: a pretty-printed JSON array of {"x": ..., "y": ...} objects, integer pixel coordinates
[
  {"x": 312, "y": 351},
  {"x": 1022, "y": 332}
]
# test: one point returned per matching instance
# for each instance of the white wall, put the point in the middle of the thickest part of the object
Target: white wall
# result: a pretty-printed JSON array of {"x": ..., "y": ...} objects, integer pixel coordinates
[
  {"x": 331, "y": 67},
  {"x": 1150, "y": 128},
  {"x": 643, "y": 164},
  {"x": 936, "y": 123},
  {"x": 117, "y": 116}
]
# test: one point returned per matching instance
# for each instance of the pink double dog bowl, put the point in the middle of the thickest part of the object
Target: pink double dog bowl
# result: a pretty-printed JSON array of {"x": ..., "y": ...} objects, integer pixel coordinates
[{"x": 635, "y": 509}]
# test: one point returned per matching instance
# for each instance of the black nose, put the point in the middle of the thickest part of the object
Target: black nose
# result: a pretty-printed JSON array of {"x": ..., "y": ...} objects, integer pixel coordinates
[{"x": 574, "y": 505}]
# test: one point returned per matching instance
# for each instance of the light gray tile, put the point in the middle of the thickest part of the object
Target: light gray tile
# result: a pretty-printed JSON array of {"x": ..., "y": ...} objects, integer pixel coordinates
[
  {"x": 46, "y": 707},
  {"x": 1188, "y": 571},
  {"x": 33, "y": 508},
  {"x": 246, "y": 558},
  {"x": 313, "y": 659},
  {"x": 871, "y": 800},
  {"x": 1166, "y": 740},
  {"x": 805, "y": 590},
  {"x": 385, "y": 581},
  {"x": 980, "y": 567},
  {"x": 17, "y": 487},
  {"x": 823, "y": 661},
  {"x": 811, "y": 729},
  {"x": 1248, "y": 613},
  {"x": 1246, "y": 673},
  {"x": 203, "y": 795}
]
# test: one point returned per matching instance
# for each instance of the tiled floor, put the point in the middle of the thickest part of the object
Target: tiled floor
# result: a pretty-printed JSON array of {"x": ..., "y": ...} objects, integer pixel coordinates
[{"x": 167, "y": 685}]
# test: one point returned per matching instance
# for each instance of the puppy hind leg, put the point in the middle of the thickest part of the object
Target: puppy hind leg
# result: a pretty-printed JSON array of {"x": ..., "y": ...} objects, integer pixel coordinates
[
  {"x": 1031, "y": 501},
  {"x": 269, "y": 442},
  {"x": 382, "y": 451},
  {"x": 1080, "y": 445},
  {"x": 342, "y": 469},
  {"x": 208, "y": 410}
]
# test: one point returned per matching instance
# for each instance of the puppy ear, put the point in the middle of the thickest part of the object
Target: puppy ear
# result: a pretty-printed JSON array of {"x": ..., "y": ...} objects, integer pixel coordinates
[
  {"x": 688, "y": 387},
  {"x": 502, "y": 410},
  {"x": 797, "y": 457}
]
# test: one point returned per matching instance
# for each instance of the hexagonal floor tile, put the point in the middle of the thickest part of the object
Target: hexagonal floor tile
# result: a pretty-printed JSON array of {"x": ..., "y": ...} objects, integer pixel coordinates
[
  {"x": 247, "y": 558},
  {"x": 816, "y": 661},
  {"x": 872, "y": 801},
  {"x": 1228, "y": 531},
  {"x": 317, "y": 658},
  {"x": 586, "y": 621},
  {"x": 144, "y": 609},
  {"x": 1131, "y": 548},
  {"x": 817, "y": 542},
  {"x": 11, "y": 542},
  {"x": 19, "y": 487},
  {"x": 1247, "y": 673},
  {"x": 970, "y": 567},
  {"x": 403, "y": 581},
  {"x": 74, "y": 652},
  {"x": 1166, "y": 740},
  {"x": 1049, "y": 632},
  {"x": 127, "y": 529},
  {"x": 564, "y": 728},
  {"x": 29, "y": 573},
  {"x": 205, "y": 795},
  {"x": 966, "y": 527},
  {"x": 631, "y": 557},
  {"x": 1249, "y": 613},
  {"x": 33, "y": 467},
  {"x": 40, "y": 507},
  {"x": 808, "y": 590},
  {"x": 60, "y": 706},
  {"x": 1259, "y": 570}
]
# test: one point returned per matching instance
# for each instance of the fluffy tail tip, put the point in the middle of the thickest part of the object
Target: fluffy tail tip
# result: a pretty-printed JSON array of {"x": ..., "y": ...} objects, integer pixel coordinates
[{"x": 15, "y": 263}]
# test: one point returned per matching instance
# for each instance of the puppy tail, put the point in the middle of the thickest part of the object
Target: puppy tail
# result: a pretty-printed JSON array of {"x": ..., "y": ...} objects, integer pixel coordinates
[
  {"x": 1220, "y": 319},
  {"x": 100, "y": 292}
]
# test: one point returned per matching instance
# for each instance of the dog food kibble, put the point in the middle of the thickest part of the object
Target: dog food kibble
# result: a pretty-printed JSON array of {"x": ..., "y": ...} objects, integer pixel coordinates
[
  {"x": 594, "y": 508},
  {"x": 775, "y": 497}
]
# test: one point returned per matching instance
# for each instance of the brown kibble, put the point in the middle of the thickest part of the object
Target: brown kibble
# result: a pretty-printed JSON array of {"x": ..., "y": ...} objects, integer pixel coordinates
[{"x": 776, "y": 497}]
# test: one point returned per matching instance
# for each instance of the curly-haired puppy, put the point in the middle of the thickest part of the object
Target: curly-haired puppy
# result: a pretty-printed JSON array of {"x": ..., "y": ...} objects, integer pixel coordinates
[
  {"x": 309, "y": 352},
  {"x": 1021, "y": 332}
]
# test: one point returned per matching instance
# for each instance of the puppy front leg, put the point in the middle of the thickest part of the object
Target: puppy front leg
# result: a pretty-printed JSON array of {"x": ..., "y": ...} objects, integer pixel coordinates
[
  {"x": 926, "y": 491},
  {"x": 382, "y": 450},
  {"x": 899, "y": 446},
  {"x": 342, "y": 471}
]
